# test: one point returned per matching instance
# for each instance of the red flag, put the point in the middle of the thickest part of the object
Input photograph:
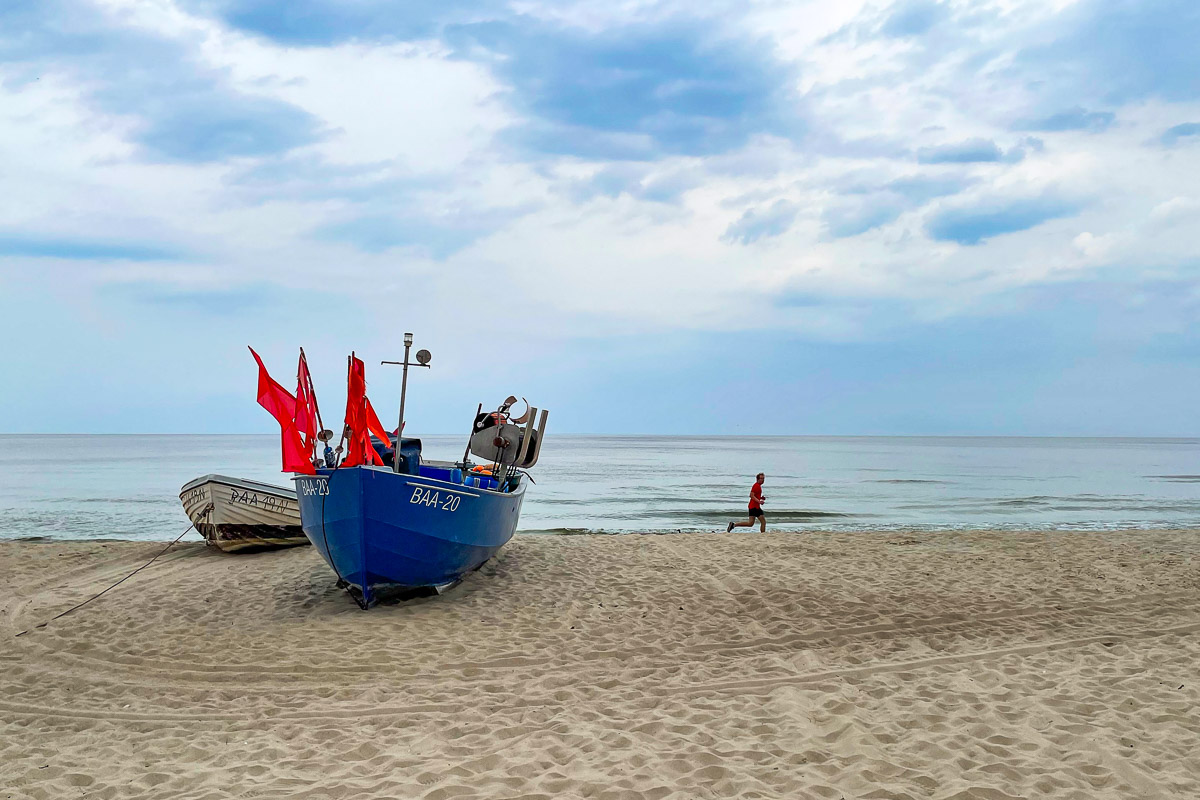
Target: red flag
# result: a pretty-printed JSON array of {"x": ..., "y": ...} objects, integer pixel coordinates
[
  {"x": 356, "y": 389},
  {"x": 282, "y": 406},
  {"x": 358, "y": 419},
  {"x": 306, "y": 405},
  {"x": 373, "y": 423}
]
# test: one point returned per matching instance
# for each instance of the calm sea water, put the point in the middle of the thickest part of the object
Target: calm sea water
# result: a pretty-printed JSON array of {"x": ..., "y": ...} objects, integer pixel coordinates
[{"x": 77, "y": 487}]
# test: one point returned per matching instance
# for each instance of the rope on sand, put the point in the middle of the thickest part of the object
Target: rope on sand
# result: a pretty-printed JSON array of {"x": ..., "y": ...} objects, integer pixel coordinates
[{"x": 113, "y": 586}]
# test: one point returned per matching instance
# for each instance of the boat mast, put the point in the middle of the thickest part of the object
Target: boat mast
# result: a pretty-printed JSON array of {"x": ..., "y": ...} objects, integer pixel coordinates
[
  {"x": 408, "y": 340},
  {"x": 422, "y": 361}
]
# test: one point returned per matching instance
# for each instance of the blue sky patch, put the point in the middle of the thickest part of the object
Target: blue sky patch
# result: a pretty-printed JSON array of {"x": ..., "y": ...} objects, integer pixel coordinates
[
  {"x": 1187, "y": 130},
  {"x": 1106, "y": 52},
  {"x": 913, "y": 18}
]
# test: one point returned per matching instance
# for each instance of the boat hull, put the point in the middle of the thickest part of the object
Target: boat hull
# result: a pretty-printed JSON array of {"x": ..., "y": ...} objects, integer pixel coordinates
[
  {"x": 236, "y": 515},
  {"x": 384, "y": 532}
]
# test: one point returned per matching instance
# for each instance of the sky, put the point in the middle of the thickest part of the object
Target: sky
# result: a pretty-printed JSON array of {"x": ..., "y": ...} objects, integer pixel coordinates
[{"x": 910, "y": 218}]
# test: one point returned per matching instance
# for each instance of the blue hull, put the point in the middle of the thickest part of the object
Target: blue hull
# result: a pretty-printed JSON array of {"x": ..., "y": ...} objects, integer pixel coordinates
[{"x": 383, "y": 531}]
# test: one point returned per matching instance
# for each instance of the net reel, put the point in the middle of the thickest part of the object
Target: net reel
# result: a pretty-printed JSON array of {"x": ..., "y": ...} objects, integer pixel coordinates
[{"x": 499, "y": 438}]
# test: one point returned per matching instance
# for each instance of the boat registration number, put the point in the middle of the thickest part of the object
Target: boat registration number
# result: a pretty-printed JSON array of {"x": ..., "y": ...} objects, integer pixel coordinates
[
  {"x": 432, "y": 497},
  {"x": 195, "y": 495},
  {"x": 248, "y": 498}
]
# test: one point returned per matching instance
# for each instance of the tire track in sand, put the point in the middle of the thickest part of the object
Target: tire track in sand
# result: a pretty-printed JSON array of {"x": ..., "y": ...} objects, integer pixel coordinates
[{"x": 750, "y": 686}]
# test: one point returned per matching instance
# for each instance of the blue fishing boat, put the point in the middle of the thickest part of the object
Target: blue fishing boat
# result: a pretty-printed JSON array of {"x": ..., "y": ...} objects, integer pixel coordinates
[{"x": 401, "y": 524}]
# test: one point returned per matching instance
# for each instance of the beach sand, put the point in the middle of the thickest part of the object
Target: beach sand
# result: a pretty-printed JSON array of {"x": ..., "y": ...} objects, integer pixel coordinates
[{"x": 849, "y": 665}]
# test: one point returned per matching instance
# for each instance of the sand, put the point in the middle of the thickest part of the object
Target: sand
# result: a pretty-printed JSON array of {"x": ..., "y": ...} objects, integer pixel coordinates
[{"x": 886, "y": 665}]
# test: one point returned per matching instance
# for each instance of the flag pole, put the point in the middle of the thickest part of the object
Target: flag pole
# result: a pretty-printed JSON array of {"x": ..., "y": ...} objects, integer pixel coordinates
[
  {"x": 408, "y": 340},
  {"x": 422, "y": 361},
  {"x": 313, "y": 394},
  {"x": 342, "y": 438}
]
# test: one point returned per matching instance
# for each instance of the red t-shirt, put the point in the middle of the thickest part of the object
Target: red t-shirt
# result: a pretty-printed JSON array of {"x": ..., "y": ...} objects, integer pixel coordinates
[{"x": 756, "y": 495}]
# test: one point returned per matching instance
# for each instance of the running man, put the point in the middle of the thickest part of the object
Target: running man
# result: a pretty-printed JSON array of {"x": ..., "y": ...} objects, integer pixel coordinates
[{"x": 756, "y": 501}]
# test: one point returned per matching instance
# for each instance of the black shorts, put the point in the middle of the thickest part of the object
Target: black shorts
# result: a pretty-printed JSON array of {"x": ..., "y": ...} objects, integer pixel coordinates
[{"x": 755, "y": 512}]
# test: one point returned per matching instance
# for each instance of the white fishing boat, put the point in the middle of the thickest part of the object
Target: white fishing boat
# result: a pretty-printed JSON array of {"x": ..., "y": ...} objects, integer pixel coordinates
[{"x": 235, "y": 514}]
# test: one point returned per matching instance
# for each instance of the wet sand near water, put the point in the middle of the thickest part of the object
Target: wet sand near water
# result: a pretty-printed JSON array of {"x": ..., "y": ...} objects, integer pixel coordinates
[{"x": 827, "y": 665}]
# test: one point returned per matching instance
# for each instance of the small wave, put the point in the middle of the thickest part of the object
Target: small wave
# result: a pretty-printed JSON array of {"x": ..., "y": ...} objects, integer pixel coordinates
[
  {"x": 615, "y": 532},
  {"x": 904, "y": 480},
  {"x": 1074, "y": 503},
  {"x": 1177, "y": 478},
  {"x": 152, "y": 500},
  {"x": 1025, "y": 502},
  {"x": 563, "y": 531},
  {"x": 799, "y": 515},
  {"x": 677, "y": 522}
]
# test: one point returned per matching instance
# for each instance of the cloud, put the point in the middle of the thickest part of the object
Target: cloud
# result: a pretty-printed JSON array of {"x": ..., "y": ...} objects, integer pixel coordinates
[
  {"x": 967, "y": 152},
  {"x": 868, "y": 204},
  {"x": 1064, "y": 58},
  {"x": 634, "y": 89},
  {"x": 972, "y": 224},
  {"x": 437, "y": 235},
  {"x": 1072, "y": 119},
  {"x": 669, "y": 188},
  {"x": 180, "y": 109},
  {"x": 310, "y": 178},
  {"x": 1187, "y": 130},
  {"x": 1093, "y": 247},
  {"x": 203, "y": 123},
  {"x": 326, "y": 22},
  {"x": 1175, "y": 209},
  {"x": 73, "y": 249},
  {"x": 596, "y": 162},
  {"x": 761, "y": 223},
  {"x": 230, "y": 301},
  {"x": 635, "y": 92},
  {"x": 860, "y": 217},
  {"x": 377, "y": 234},
  {"x": 637, "y": 182},
  {"x": 920, "y": 189}
]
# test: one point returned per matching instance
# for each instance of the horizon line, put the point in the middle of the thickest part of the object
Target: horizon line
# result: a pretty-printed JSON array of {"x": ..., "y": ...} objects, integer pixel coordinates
[{"x": 699, "y": 435}]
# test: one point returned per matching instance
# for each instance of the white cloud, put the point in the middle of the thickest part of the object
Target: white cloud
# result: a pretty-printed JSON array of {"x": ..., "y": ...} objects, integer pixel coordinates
[{"x": 1176, "y": 209}]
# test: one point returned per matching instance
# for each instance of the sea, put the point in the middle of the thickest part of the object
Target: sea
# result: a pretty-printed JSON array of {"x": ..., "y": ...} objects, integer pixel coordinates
[{"x": 127, "y": 487}]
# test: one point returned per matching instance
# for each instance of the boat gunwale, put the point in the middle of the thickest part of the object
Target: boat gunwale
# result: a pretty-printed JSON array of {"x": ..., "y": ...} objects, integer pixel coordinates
[
  {"x": 240, "y": 483},
  {"x": 326, "y": 475}
]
